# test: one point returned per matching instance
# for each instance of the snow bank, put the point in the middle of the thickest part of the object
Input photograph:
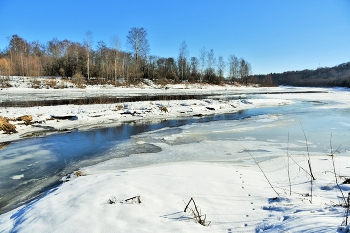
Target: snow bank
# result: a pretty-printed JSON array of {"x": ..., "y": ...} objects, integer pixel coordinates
[
  {"x": 48, "y": 119},
  {"x": 233, "y": 197}
]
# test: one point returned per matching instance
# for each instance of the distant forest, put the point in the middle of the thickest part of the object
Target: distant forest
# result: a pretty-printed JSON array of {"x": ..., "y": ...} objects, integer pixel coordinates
[
  {"x": 337, "y": 76},
  {"x": 110, "y": 64}
]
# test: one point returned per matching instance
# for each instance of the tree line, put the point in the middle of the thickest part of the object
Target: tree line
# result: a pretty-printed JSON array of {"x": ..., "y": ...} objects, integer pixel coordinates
[
  {"x": 322, "y": 77},
  {"x": 110, "y": 64}
]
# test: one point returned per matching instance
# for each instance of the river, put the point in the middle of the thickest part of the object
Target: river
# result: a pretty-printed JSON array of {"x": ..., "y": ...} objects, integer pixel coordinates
[{"x": 31, "y": 166}]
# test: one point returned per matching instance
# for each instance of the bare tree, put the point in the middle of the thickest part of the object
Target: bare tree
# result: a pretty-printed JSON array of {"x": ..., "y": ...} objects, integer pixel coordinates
[
  {"x": 138, "y": 43},
  {"x": 19, "y": 49},
  {"x": 211, "y": 59},
  {"x": 210, "y": 75},
  {"x": 244, "y": 70},
  {"x": 4, "y": 68},
  {"x": 202, "y": 56},
  {"x": 116, "y": 47},
  {"x": 88, "y": 44},
  {"x": 182, "y": 60},
  {"x": 221, "y": 67},
  {"x": 194, "y": 69},
  {"x": 234, "y": 67}
]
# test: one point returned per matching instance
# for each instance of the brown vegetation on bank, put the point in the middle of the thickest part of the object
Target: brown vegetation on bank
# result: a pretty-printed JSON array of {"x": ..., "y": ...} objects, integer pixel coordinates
[{"x": 7, "y": 127}]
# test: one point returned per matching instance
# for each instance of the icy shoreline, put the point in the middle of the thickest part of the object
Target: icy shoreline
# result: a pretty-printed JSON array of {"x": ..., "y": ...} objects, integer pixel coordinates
[{"x": 51, "y": 119}]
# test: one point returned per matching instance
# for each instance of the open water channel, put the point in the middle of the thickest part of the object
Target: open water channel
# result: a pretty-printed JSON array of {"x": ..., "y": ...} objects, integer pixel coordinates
[{"x": 31, "y": 166}]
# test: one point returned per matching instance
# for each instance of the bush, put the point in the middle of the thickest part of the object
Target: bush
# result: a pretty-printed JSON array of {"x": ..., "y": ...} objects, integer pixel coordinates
[{"x": 79, "y": 80}]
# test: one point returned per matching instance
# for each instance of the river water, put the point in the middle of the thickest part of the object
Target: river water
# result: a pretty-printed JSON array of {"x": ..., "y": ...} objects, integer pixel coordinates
[{"x": 29, "y": 167}]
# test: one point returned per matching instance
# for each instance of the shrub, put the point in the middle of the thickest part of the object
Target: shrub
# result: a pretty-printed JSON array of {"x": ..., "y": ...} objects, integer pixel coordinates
[{"x": 79, "y": 80}]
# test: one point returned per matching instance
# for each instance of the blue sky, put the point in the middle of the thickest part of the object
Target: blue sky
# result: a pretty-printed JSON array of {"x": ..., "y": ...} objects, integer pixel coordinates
[{"x": 273, "y": 35}]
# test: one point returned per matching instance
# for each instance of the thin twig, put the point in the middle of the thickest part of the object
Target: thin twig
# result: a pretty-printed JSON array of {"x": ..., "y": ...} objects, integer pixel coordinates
[
  {"x": 335, "y": 174},
  {"x": 309, "y": 162},
  {"x": 299, "y": 166},
  {"x": 347, "y": 210},
  {"x": 256, "y": 162},
  {"x": 290, "y": 185},
  {"x": 308, "y": 153}
]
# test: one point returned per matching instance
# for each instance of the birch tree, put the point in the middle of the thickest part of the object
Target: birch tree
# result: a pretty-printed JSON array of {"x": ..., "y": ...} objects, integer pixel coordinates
[
  {"x": 88, "y": 44},
  {"x": 202, "y": 56},
  {"x": 116, "y": 48},
  {"x": 182, "y": 60}
]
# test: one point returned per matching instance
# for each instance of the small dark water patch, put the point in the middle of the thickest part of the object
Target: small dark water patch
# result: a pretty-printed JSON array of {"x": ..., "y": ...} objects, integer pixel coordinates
[
  {"x": 65, "y": 117},
  {"x": 145, "y": 148},
  {"x": 122, "y": 99},
  {"x": 98, "y": 100}
]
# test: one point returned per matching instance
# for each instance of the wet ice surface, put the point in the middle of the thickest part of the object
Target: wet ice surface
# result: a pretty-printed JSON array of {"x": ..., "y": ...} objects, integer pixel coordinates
[{"x": 30, "y": 166}]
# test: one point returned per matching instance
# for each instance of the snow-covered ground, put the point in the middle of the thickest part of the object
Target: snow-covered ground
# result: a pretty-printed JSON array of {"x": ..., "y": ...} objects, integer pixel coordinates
[{"x": 232, "y": 195}]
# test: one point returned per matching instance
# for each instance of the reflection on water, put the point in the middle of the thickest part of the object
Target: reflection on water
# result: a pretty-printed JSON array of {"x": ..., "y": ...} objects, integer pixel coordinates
[{"x": 30, "y": 166}]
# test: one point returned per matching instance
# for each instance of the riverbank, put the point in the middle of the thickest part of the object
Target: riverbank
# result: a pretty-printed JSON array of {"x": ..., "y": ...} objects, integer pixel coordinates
[
  {"x": 52, "y": 119},
  {"x": 211, "y": 100}
]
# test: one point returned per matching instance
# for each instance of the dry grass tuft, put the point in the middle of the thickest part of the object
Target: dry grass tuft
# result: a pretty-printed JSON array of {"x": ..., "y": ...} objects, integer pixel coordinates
[
  {"x": 196, "y": 213},
  {"x": 79, "y": 173},
  {"x": 163, "y": 109},
  {"x": 7, "y": 127},
  {"x": 119, "y": 107},
  {"x": 26, "y": 118}
]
